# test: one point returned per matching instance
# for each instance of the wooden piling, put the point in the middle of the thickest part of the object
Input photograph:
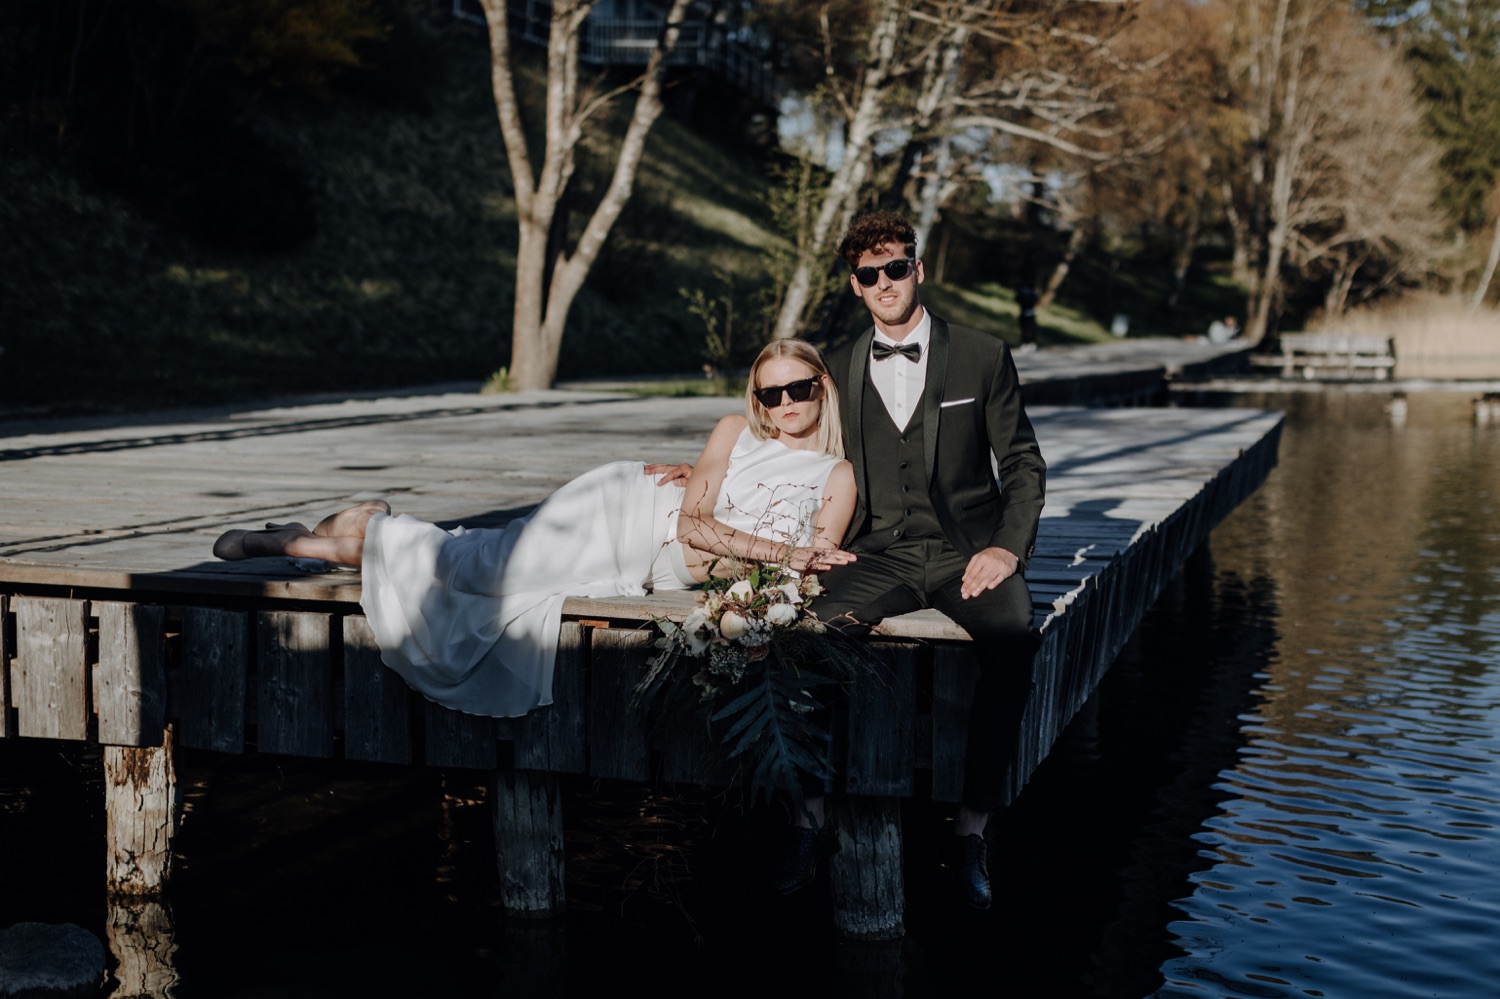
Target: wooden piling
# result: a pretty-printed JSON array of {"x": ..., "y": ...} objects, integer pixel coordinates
[
  {"x": 527, "y": 811},
  {"x": 140, "y": 816}
]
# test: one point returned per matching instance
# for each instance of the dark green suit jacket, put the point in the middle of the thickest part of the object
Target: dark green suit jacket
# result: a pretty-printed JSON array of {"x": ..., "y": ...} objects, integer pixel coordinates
[{"x": 974, "y": 424}]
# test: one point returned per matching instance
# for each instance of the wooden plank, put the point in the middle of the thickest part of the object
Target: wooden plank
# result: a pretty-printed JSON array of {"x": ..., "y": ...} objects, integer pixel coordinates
[
  {"x": 616, "y": 737},
  {"x": 215, "y": 663},
  {"x": 880, "y": 754},
  {"x": 7, "y": 657},
  {"x": 377, "y": 701},
  {"x": 51, "y": 684},
  {"x": 954, "y": 673},
  {"x": 455, "y": 739},
  {"x": 294, "y": 709},
  {"x": 552, "y": 738},
  {"x": 130, "y": 682}
]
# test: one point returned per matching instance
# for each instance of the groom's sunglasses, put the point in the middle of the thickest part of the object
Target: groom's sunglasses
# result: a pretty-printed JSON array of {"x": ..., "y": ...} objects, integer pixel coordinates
[
  {"x": 896, "y": 270},
  {"x": 800, "y": 391}
]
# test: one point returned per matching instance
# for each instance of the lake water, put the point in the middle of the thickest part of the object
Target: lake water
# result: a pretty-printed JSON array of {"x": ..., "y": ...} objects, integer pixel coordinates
[{"x": 1286, "y": 787}]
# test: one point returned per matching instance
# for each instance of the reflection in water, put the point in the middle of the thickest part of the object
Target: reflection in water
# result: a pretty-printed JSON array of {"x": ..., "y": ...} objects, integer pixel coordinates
[
  {"x": 1352, "y": 845},
  {"x": 1286, "y": 786}
]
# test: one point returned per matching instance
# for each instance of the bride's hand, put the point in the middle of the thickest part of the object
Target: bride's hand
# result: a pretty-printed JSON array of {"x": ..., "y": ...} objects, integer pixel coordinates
[
  {"x": 669, "y": 473},
  {"x": 818, "y": 559}
]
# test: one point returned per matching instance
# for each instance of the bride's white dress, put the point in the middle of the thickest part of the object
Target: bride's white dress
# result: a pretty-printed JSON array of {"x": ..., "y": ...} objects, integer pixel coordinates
[{"x": 471, "y": 618}]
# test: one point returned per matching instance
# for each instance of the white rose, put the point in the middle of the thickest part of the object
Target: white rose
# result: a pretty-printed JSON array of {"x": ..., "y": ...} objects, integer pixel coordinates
[
  {"x": 733, "y": 624},
  {"x": 741, "y": 591},
  {"x": 781, "y": 615},
  {"x": 789, "y": 591},
  {"x": 697, "y": 628}
]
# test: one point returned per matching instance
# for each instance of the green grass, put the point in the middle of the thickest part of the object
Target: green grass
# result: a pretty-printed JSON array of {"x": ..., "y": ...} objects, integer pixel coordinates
[{"x": 408, "y": 278}]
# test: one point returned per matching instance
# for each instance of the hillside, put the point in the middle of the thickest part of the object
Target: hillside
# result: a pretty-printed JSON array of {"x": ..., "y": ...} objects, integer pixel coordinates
[{"x": 403, "y": 275}]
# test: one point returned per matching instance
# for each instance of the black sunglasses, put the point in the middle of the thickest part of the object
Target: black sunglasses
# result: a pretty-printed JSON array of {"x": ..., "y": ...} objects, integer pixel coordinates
[
  {"x": 896, "y": 270},
  {"x": 800, "y": 391}
]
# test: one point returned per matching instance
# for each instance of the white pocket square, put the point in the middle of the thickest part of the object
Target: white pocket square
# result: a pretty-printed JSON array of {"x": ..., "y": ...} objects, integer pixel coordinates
[{"x": 955, "y": 402}]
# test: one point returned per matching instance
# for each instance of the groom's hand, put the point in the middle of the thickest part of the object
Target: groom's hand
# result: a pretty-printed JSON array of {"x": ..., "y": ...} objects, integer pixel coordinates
[
  {"x": 670, "y": 473},
  {"x": 986, "y": 570}
]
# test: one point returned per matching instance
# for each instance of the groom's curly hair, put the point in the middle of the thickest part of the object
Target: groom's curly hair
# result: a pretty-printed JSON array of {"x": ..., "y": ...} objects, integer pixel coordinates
[{"x": 874, "y": 229}]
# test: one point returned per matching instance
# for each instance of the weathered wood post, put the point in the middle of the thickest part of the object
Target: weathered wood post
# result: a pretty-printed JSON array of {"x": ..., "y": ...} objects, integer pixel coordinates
[
  {"x": 529, "y": 842},
  {"x": 869, "y": 895},
  {"x": 526, "y": 794},
  {"x": 140, "y": 794}
]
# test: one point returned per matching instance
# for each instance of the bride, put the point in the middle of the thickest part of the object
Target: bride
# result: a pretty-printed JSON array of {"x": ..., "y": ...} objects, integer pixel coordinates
[{"x": 471, "y": 618}]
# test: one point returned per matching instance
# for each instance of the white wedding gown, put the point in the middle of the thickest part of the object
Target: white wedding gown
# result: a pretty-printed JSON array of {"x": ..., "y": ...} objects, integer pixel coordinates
[{"x": 471, "y": 618}]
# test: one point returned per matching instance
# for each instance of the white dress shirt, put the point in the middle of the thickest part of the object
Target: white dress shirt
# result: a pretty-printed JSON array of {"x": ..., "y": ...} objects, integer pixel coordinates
[{"x": 899, "y": 381}]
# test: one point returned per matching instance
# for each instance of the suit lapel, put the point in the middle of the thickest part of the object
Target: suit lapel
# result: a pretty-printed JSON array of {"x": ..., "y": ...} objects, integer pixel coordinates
[
  {"x": 932, "y": 392},
  {"x": 853, "y": 407}
]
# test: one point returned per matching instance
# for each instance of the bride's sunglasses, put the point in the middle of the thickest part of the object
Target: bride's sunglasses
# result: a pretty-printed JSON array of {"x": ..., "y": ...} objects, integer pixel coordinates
[
  {"x": 896, "y": 270},
  {"x": 800, "y": 391}
]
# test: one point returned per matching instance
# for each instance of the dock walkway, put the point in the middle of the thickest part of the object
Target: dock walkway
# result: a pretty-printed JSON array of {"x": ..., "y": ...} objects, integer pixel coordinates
[{"x": 118, "y": 627}]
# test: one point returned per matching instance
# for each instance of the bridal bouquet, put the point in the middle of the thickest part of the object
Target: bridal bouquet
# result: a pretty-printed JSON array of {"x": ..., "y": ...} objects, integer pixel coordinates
[{"x": 747, "y": 660}]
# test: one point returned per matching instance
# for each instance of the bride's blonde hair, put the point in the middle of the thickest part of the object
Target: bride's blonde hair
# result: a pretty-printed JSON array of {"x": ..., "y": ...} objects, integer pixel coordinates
[{"x": 830, "y": 437}]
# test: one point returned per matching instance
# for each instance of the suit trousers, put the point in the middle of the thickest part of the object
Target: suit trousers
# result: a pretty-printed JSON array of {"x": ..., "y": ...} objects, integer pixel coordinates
[{"x": 921, "y": 573}]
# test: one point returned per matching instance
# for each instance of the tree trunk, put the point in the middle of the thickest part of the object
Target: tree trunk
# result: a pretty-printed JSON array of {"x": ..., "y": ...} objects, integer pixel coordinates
[
  {"x": 548, "y": 276},
  {"x": 1489, "y": 270},
  {"x": 843, "y": 188},
  {"x": 1077, "y": 240}
]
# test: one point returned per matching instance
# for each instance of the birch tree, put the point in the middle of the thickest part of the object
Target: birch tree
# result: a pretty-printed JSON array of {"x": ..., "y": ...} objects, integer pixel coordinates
[
  {"x": 549, "y": 274},
  {"x": 932, "y": 70},
  {"x": 864, "y": 113},
  {"x": 1338, "y": 170}
]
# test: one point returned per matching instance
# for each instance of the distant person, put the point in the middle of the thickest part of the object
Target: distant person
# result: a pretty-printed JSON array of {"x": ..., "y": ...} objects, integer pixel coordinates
[
  {"x": 1223, "y": 330},
  {"x": 1026, "y": 298},
  {"x": 471, "y": 618}
]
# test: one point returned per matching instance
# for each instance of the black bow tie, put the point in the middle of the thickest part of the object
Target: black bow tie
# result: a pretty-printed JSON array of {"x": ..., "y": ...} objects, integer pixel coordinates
[{"x": 911, "y": 351}]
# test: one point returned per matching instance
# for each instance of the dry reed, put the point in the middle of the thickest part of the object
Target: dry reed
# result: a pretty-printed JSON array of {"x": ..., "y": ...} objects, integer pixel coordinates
[{"x": 1436, "y": 336}]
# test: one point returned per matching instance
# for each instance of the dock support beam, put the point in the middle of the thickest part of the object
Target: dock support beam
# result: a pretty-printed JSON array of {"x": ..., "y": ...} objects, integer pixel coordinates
[
  {"x": 869, "y": 893},
  {"x": 529, "y": 842},
  {"x": 140, "y": 799}
]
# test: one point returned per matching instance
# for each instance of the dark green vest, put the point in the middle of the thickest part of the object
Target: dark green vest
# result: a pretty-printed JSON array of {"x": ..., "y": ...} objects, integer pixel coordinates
[{"x": 895, "y": 481}]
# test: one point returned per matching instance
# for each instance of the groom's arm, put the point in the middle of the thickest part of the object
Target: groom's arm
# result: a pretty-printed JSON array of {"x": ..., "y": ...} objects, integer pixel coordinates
[{"x": 1021, "y": 469}]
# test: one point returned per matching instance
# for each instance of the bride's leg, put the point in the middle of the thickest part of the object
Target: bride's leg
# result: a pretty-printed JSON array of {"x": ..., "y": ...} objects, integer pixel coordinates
[
  {"x": 351, "y": 522},
  {"x": 296, "y": 542}
]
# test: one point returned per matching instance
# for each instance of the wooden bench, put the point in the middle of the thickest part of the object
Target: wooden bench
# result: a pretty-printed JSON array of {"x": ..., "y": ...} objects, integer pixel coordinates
[{"x": 1342, "y": 356}]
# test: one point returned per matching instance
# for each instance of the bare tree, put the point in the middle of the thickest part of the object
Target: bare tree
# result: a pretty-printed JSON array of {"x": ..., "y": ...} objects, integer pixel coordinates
[
  {"x": 548, "y": 274},
  {"x": 864, "y": 114},
  {"x": 1339, "y": 172},
  {"x": 932, "y": 70}
]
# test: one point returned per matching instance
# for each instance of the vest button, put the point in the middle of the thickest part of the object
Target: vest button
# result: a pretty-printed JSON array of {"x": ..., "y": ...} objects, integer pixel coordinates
[
  {"x": 896, "y": 533},
  {"x": 904, "y": 464}
]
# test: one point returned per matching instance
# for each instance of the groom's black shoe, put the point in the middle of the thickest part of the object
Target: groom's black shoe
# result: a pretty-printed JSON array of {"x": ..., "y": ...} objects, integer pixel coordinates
[
  {"x": 971, "y": 871},
  {"x": 805, "y": 847}
]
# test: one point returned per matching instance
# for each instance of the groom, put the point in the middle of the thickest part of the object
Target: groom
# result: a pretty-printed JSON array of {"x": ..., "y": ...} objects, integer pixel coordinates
[{"x": 951, "y": 484}]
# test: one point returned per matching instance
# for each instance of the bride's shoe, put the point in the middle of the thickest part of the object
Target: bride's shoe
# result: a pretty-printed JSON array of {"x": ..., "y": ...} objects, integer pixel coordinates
[{"x": 235, "y": 545}]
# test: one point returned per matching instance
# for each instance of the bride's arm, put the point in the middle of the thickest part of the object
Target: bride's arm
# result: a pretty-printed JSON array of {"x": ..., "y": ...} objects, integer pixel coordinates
[
  {"x": 834, "y": 515},
  {"x": 697, "y": 526}
]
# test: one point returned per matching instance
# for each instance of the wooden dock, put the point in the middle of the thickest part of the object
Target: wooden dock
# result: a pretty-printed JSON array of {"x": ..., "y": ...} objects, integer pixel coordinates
[{"x": 118, "y": 627}]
